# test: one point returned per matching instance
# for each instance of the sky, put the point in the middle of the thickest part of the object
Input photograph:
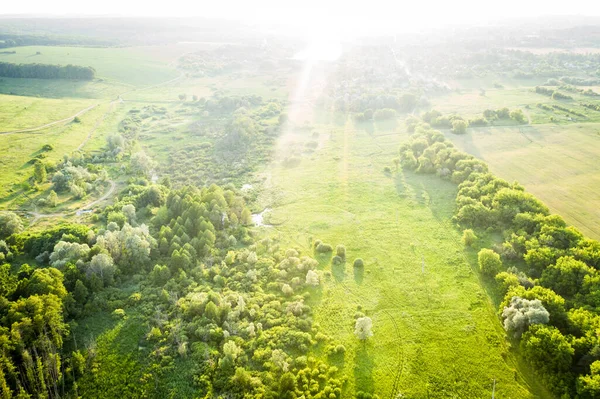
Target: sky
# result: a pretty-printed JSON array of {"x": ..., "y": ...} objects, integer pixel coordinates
[{"x": 347, "y": 14}]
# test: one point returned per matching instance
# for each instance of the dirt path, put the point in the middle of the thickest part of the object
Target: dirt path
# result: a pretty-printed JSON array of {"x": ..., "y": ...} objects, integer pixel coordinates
[
  {"x": 77, "y": 212},
  {"x": 33, "y": 129}
]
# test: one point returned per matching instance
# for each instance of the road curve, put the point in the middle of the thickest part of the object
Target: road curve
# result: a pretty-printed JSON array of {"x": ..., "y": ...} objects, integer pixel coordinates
[
  {"x": 33, "y": 129},
  {"x": 87, "y": 207}
]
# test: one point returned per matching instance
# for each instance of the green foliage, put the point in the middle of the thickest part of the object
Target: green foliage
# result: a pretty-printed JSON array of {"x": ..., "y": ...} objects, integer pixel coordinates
[
  {"x": 550, "y": 354},
  {"x": 468, "y": 238},
  {"x": 45, "y": 71},
  {"x": 489, "y": 262},
  {"x": 459, "y": 127},
  {"x": 10, "y": 224}
]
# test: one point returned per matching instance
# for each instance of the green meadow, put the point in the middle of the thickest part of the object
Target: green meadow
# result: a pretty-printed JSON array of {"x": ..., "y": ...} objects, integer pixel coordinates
[{"x": 436, "y": 333}]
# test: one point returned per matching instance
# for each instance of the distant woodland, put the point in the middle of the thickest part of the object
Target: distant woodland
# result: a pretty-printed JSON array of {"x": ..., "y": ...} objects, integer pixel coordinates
[{"x": 45, "y": 71}]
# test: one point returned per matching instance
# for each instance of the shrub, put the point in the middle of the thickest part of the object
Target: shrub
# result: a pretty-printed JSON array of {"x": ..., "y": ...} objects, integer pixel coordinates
[
  {"x": 340, "y": 251},
  {"x": 382, "y": 114},
  {"x": 324, "y": 248},
  {"x": 489, "y": 262},
  {"x": 468, "y": 237},
  {"x": 459, "y": 126}
]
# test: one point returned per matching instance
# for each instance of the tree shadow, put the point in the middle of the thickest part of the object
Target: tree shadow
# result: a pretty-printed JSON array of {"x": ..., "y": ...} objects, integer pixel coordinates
[
  {"x": 359, "y": 275},
  {"x": 339, "y": 271},
  {"x": 367, "y": 126},
  {"x": 363, "y": 369},
  {"x": 389, "y": 124}
]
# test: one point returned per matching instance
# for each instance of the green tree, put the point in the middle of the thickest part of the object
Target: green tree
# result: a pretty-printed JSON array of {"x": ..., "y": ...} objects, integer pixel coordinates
[
  {"x": 10, "y": 224},
  {"x": 468, "y": 237},
  {"x": 549, "y": 352},
  {"x": 489, "y": 262},
  {"x": 566, "y": 276},
  {"x": 39, "y": 172},
  {"x": 52, "y": 198},
  {"x": 459, "y": 126}
]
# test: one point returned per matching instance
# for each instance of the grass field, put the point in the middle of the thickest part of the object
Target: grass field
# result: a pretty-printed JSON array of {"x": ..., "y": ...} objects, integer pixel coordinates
[
  {"x": 19, "y": 148},
  {"x": 18, "y": 112},
  {"x": 136, "y": 66},
  {"x": 558, "y": 164},
  {"x": 435, "y": 330}
]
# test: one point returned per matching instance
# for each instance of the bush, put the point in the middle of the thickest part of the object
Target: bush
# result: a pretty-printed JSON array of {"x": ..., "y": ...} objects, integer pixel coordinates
[
  {"x": 340, "y": 251},
  {"x": 324, "y": 248},
  {"x": 383, "y": 114},
  {"x": 489, "y": 262},
  {"x": 459, "y": 126},
  {"x": 468, "y": 237}
]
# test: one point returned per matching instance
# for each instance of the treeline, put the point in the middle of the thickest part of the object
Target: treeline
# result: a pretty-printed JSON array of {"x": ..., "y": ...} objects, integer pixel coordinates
[
  {"x": 459, "y": 125},
  {"x": 556, "y": 95},
  {"x": 7, "y": 40},
  {"x": 46, "y": 71},
  {"x": 547, "y": 272}
]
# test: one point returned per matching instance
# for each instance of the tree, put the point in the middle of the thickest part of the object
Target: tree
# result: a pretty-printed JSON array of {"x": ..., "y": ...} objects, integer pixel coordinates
[
  {"x": 588, "y": 386},
  {"x": 182, "y": 96},
  {"x": 312, "y": 278},
  {"x": 80, "y": 292},
  {"x": 10, "y": 224},
  {"x": 65, "y": 252},
  {"x": 52, "y": 198},
  {"x": 39, "y": 172},
  {"x": 142, "y": 164},
  {"x": 459, "y": 126},
  {"x": 566, "y": 276},
  {"x": 362, "y": 328},
  {"x": 523, "y": 313},
  {"x": 517, "y": 115},
  {"x": 341, "y": 251},
  {"x": 103, "y": 267},
  {"x": 129, "y": 212},
  {"x": 468, "y": 237},
  {"x": 489, "y": 262},
  {"x": 548, "y": 351}
]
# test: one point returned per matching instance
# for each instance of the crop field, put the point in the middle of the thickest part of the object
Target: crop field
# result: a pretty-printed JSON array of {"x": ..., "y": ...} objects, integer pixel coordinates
[
  {"x": 427, "y": 304},
  {"x": 558, "y": 164}
]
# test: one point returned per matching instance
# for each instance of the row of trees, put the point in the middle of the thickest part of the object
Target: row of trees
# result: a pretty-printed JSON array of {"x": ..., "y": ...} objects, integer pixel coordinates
[
  {"x": 459, "y": 125},
  {"x": 551, "y": 306},
  {"x": 46, "y": 71}
]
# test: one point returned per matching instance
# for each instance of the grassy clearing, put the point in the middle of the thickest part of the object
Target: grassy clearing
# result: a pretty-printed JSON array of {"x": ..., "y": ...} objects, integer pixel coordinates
[
  {"x": 558, "y": 164},
  {"x": 24, "y": 112},
  {"x": 137, "y": 66},
  {"x": 264, "y": 86},
  {"x": 19, "y": 148},
  {"x": 436, "y": 328}
]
